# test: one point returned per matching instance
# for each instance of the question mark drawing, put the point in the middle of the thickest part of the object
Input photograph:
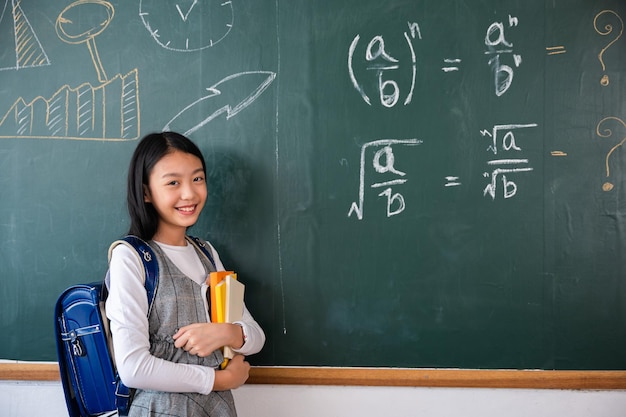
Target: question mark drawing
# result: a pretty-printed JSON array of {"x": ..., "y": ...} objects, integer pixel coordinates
[
  {"x": 608, "y": 29},
  {"x": 608, "y": 186}
]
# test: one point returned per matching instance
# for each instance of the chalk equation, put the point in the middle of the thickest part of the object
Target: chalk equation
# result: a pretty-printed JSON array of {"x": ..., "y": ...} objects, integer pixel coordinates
[
  {"x": 506, "y": 141},
  {"x": 497, "y": 47},
  {"x": 385, "y": 174},
  {"x": 378, "y": 170},
  {"x": 503, "y": 140},
  {"x": 383, "y": 65}
]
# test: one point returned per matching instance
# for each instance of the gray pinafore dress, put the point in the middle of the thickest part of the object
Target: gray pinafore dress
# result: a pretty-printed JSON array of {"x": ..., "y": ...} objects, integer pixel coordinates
[{"x": 177, "y": 303}]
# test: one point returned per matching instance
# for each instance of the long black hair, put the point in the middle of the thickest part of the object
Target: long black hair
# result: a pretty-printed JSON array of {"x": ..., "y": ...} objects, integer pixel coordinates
[{"x": 143, "y": 217}]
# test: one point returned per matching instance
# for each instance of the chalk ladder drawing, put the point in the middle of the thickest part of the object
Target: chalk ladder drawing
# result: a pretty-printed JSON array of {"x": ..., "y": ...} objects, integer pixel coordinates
[
  {"x": 222, "y": 97},
  {"x": 28, "y": 52},
  {"x": 108, "y": 111}
]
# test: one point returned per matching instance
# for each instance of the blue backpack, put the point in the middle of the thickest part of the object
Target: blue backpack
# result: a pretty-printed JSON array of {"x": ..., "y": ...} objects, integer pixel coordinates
[{"x": 84, "y": 349}]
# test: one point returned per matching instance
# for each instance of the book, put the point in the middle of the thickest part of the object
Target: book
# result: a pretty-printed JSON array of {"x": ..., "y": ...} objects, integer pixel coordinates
[
  {"x": 233, "y": 305},
  {"x": 220, "y": 302},
  {"x": 226, "y": 294},
  {"x": 214, "y": 279}
]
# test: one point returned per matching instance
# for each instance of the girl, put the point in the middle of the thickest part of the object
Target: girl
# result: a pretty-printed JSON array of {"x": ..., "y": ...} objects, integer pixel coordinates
[{"x": 173, "y": 355}]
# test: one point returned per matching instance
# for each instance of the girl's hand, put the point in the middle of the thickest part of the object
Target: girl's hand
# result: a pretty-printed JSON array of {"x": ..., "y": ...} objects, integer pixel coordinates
[
  {"x": 233, "y": 376},
  {"x": 202, "y": 339}
]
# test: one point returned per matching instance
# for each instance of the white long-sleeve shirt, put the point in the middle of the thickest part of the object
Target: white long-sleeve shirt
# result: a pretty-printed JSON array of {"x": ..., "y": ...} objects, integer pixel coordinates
[{"x": 127, "y": 310}]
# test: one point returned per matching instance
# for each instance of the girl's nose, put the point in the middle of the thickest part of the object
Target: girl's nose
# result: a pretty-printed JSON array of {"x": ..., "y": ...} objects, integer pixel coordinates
[{"x": 187, "y": 191}]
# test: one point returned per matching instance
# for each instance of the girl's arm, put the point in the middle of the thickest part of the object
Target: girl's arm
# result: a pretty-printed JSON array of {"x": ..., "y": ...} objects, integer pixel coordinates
[
  {"x": 253, "y": 335},
  {"x": 245, "y": 336}
]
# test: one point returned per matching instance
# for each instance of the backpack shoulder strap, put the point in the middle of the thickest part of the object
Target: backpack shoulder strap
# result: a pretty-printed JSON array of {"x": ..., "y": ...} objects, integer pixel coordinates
[
  {"x": 204, "y": 248},
  {"x": 148, "y": 260},
  {"x": 150, "y": 265}
]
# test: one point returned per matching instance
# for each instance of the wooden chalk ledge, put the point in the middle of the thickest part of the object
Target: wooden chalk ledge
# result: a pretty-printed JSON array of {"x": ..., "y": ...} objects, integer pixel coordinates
[{"x": 450, "y": 378}]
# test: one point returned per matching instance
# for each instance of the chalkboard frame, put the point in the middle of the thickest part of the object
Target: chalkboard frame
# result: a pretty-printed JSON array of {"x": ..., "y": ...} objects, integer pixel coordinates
[{"x": 543, "y": 305}]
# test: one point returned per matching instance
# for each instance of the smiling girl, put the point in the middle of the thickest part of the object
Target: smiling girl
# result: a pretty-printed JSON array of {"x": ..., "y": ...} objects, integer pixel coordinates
[{"x": 172, "y": 355}]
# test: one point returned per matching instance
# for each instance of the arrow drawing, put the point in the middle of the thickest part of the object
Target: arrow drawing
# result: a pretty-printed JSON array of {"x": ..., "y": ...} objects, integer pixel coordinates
[{"x": 213, "y": 103}]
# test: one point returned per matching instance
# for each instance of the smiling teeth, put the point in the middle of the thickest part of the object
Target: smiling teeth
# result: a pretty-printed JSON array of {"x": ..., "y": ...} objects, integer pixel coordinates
[{"x": 188, "y": 209}]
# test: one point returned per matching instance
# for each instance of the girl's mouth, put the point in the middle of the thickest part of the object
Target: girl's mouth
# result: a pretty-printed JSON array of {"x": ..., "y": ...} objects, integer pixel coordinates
[{"x": 187, "y": 209}]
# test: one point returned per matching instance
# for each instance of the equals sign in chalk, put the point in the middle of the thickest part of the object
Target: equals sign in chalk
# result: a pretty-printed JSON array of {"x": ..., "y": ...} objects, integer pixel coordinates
[
  {"x": 452, "y": 181},
  {"x": 451, "y": 67},
  {"x": 555, "y": 50},
  {"x": 558, "y": 153}
]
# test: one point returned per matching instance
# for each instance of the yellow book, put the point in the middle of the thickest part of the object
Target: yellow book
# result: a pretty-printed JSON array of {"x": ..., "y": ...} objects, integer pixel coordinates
[
  {"x": 220, "y": 302},
  {"x": 226, "y": 295},
  {"x": 214, "y": 279}
]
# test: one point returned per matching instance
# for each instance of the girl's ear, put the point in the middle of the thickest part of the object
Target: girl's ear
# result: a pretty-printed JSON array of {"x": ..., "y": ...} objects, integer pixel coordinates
[{"x": 146, "y": 194}]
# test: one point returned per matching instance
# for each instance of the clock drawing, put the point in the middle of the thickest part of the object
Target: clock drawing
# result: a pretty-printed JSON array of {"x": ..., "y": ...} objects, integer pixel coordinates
[{"x": 187, "y": 25}]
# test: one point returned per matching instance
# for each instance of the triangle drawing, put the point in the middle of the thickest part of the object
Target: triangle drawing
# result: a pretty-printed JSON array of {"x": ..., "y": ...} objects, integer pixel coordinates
[{"x": 25, "y": 50}]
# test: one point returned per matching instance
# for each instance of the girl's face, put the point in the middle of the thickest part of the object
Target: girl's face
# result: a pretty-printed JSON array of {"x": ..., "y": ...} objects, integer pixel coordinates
[{"x": 177, "y": 190}]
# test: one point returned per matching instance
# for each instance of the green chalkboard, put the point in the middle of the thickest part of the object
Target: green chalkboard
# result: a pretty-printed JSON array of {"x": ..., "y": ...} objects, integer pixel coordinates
[{"x": 398, "y": 183}]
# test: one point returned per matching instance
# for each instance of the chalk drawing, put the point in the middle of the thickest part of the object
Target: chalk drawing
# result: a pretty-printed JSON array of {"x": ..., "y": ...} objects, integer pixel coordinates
[
  {"x": 107, "y": 111},
  {"x": 223, "y": 97},
  {"x": 607, "y": 133},
  {"x": 187, "y": 26},
  {"x": 608, "y": 29},
  {"x": 27, "y": 49}
]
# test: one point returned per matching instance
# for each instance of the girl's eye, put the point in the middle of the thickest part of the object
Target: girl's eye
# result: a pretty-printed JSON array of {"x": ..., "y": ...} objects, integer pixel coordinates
[
  {"x": 198, "y": 179},
  {"x": 172, "y": 183}
]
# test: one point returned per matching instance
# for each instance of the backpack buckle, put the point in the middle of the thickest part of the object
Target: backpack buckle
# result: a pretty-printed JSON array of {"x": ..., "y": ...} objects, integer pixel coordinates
[{"x": 146, "y": 255}]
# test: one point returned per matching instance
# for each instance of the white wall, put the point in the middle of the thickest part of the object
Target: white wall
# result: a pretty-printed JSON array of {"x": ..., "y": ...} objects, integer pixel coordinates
[{"x": 45, "y": 399}]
